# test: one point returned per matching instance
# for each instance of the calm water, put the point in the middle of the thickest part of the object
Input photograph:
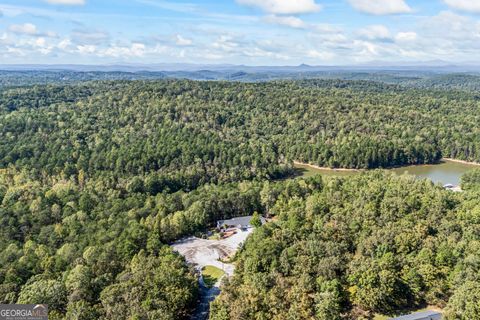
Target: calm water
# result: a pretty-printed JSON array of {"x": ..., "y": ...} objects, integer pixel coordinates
[{"x": 447, "y": 172}]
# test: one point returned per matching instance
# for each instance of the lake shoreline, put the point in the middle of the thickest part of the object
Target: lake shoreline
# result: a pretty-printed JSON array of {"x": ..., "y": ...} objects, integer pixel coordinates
[
  {"x": 461, "y": 161},
  {"x": 445, "y": 171},
  {"x": 298, "y": 163}
]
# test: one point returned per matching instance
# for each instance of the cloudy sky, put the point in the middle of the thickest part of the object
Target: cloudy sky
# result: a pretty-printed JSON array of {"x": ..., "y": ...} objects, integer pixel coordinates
[{"x": 252, "y": 32}]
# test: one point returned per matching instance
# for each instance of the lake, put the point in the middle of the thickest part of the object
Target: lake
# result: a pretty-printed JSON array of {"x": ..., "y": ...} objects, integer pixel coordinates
[{"x": 446, "y": 172}]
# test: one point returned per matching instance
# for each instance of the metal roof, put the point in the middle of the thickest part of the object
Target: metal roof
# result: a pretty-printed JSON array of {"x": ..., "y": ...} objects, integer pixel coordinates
[
  {"x": 239, "y": 221},
  {"x": 422, "y": 315}
]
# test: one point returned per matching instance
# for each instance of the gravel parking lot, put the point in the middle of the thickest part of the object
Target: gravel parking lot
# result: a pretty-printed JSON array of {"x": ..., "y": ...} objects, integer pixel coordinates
[{"x": 202, "y": 252}]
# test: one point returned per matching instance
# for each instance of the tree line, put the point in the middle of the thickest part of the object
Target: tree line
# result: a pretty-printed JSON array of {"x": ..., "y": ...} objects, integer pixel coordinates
[{"x": 98, "y": 178}]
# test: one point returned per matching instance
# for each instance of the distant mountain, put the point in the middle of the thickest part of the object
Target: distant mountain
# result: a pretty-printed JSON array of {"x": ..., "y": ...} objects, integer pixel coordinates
[
  {"x": 422, "y": 76},
  {"x": 432, "y": 66}
]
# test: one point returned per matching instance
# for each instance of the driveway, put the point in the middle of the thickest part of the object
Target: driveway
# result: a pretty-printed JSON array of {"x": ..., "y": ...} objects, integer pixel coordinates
[{"x": 201, "y": 253}]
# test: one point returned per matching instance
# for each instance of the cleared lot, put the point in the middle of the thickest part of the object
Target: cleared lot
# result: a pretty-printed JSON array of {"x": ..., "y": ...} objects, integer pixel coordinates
[{"x": 202, "y": 252}]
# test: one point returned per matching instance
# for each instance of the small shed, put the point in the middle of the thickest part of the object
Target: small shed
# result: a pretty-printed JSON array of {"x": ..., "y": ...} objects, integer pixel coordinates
[{"x": 422, "y": 315}]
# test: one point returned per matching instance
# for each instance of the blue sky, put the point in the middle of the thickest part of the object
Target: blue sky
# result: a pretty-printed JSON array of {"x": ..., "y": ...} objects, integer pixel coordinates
[{"x": 252, "y": 32}]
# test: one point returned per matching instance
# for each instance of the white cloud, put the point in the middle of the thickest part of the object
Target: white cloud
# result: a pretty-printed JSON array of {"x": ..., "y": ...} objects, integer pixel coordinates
[
  {"x": 42, "y": 46},
  {"x": 406, "y": 36},
  {"x": 413, "y": 54},
  {"x": 284, "y": 6},
  {"x": 465, "y": 5},
  {"x": 16, "y": 51},
  {"x": 447, "y": 35},
  {"x": 26, "y": 28},
  {"x": 93, "y": 37},
  {"x": 181, "y": 41},
  {"x": 64, "y": 44},
  {"x": 30, "y": 30},
  {"x": 50, "y": 34},
  {"x": 289, "y": 21},
  {"x": 41, "y": 42},
  {"x": 225, "y": 43},
  {"x": 330, "y": 37},
  {"x": 31, "y": 45},
  {"x": 366, "y": 49},
  {"x": 159, "y": 49},
  {"x": 67, "y": 2},
  {"x": 325, "y": 28},
  {"x": 448, "y": 25},
  {"x": 322, "y": 55},
  {"x": 135, "y": 50},
  {"x": 381, "y": 7},
  {"x": 256, "y": 52},
  {"x": 87, "y": 49},
  {"x": 334, "y": 38},
  {"x": 375, "y": 32},
  {"x": 212, "y": 56}
]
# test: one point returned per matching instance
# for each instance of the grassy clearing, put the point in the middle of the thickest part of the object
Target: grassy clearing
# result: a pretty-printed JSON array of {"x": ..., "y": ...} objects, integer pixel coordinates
[
  {"x": 215, "y": 236},
  {"x": 211, "y": 275}
]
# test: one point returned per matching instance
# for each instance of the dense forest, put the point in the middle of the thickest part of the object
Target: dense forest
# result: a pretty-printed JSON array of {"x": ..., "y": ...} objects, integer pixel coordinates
[
  {"x": 97, "y": 178},
  {"x": 94, "y": 248},
  {"x": 371, "y": 243},
  {"x": 19, "y": 78},
  {"x": 197, "y": 132}
]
